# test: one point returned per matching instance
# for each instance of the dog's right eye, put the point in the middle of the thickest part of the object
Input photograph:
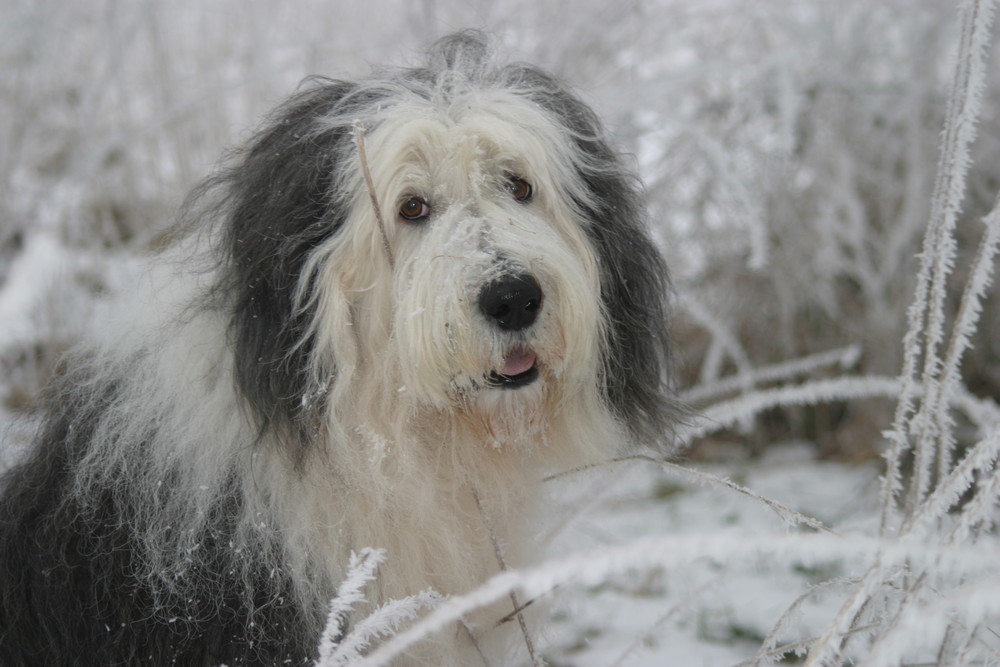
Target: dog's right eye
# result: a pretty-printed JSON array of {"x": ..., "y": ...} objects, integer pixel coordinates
[
  {"x": 414, "y": 209},
  {"x": 519, "y": 189}
]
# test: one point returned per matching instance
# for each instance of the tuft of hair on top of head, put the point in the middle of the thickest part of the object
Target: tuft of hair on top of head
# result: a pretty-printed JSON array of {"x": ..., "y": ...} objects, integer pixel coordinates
[{"x": 465, "y": 51}]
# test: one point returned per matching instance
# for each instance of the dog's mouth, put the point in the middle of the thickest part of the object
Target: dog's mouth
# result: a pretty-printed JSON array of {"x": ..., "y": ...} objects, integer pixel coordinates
[{"x": 519, "y": 370}]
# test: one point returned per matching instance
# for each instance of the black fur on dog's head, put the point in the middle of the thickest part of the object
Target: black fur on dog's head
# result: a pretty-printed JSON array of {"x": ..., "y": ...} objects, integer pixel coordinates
[{"x": 282, "y": 197}]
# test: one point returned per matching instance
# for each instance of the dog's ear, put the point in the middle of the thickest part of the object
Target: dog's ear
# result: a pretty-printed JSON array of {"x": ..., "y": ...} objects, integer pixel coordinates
[
  {"x": 635, "y": 290},
  {"x": 635, "y": 286},
  {"x": 280, "y": 203}
]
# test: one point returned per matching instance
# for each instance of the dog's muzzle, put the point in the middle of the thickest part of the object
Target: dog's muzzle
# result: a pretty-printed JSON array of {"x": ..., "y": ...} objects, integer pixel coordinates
[{"x": 512, "y": 303}]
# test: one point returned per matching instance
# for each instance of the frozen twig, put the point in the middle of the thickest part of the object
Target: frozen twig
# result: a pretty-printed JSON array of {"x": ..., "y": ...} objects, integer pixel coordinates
[
  {"x": 502, "y": 562},
  {"x": 925, "y": 334},
  {"x": 827, "y": 649},
  {"x": 770, "y": 643},
  {"x": 800, "y": 647},
  {"x": 359, "y": 137},
  {"x": 970, "y": 308},
  {"x": 923, "y": 424},
  {"x": 723, "y": 339},
  {"x": 381, "y": 623},
  {"x": 981, "y": 459},
  {"x": 844, "y": 357},
  {"x": 786, "y": 514},
  {"x": 338, "y": 647},
  {"x": 660, "y": 622},
  {"x": 360, "y": 570},
  {"x": 728, "y": 413}
]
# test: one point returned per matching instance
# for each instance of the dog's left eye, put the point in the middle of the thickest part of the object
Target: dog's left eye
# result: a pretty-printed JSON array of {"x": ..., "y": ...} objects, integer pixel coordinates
[
  {"x": 414, "y": 209},
  {"x": 519, "y": 188}
]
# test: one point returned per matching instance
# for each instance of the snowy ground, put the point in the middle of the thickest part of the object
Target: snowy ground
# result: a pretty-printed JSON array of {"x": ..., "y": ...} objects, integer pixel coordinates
[{"x": 700, "y": 615}]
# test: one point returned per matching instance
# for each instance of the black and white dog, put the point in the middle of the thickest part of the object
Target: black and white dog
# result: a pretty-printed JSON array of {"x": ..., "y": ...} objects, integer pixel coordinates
[{"x": 400, "y": 306}]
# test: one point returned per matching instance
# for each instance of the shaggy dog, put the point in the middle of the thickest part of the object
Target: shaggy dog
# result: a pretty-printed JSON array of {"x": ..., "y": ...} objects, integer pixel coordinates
[{"x": 380, "y": 325}]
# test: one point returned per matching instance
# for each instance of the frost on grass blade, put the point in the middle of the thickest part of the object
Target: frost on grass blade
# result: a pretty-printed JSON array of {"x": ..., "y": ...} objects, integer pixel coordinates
[
  {"x": 921, "y": 428},
  {"x": 844, "y": 358},
  {"x": 885, "y": 603},
  {"x": 336, "y": 648},
  {"x": 360, "y": 571},
  {"x": 381, "y": 623}
]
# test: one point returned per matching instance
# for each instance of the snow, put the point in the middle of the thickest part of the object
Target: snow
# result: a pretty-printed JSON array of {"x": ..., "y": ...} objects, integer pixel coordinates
[
  {"x": 700, "y": 615},
  {"x": 790, "y": 149},
  {"x": 30, "y": 277}
]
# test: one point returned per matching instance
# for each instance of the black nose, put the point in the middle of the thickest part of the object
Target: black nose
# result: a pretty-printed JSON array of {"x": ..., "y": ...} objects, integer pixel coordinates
[{"x": 511, "y": 302}]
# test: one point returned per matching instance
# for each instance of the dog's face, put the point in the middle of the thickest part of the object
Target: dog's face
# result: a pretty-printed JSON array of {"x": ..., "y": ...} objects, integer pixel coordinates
[
  {"x": 509, "y": 278},
  {"x": 488, "y": 297}
]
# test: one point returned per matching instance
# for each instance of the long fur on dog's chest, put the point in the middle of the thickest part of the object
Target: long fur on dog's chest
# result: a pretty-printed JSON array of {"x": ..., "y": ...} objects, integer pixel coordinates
[{"x": 337, "y": 352}]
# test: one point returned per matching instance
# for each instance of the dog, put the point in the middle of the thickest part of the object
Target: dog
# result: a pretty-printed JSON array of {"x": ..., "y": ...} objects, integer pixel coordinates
[{"x": 380, "y": 324}]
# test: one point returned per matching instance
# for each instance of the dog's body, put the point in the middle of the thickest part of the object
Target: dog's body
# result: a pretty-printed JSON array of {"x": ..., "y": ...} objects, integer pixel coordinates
[{"x": 322, "y": 362}]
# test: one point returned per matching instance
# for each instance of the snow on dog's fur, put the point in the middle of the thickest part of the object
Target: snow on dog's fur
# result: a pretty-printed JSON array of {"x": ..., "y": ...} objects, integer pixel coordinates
[{"x": 296, "y": 378}]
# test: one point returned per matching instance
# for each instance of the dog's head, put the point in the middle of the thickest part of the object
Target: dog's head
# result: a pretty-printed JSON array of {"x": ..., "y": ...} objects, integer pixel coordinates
[{"x": 460, "y": 232}]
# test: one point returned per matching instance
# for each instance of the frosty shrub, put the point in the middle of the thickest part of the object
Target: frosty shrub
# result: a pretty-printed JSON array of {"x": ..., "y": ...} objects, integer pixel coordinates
[{"x": 789, "y": 150}]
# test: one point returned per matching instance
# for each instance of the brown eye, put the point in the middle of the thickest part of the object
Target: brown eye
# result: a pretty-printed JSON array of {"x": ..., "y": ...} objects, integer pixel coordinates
[
  {"x": 519, "y": 188},
  {"x": 414, "y": 208}
]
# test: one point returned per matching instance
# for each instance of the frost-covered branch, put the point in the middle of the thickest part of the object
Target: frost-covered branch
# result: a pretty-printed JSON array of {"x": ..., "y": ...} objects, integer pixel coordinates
[
  {"x": 926, "y": 329},
  {"x": 502, "y": 562},
  {"x": 770, "y": 644},
  {"x": 981, "y": 460},
  {"x": 788, "y": 515},
  {"x": 847, "y": 388},
  {"x": 842, "y": 357},
  {"x": 723, "y": 340},
  {"x": 970, "y": 308}
]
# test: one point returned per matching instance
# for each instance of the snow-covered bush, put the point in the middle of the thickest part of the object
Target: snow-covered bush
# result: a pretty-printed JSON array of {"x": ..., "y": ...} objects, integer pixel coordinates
[{"x": 789, "y": 149}]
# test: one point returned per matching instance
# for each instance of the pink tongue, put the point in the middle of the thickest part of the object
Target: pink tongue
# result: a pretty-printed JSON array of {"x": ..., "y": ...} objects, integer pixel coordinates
[{"x": 517, "y": 362}]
